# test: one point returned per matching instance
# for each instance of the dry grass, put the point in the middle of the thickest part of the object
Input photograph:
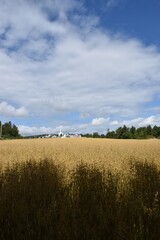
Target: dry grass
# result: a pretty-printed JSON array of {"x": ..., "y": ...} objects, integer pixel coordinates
[{"x": 70, "y": 152}]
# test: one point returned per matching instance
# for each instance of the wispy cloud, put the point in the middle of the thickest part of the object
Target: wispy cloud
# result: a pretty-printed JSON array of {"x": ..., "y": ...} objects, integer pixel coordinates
[{"x": 113, "y": 3}]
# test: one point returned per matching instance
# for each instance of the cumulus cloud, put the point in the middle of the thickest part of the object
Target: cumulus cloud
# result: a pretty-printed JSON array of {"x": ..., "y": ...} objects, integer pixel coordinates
[
  {"x": 142, "y": 122},
  {"x": 136, "y": 122},
  {"x": 114, "y": 123},
  {"x": 28, "y": 130},
  {"x": 59, "y": 64},
  {"x": 96, "y": 125},
  {"x": 152, "y": 120},
  {"x": 99, "y": 121},
  {"x": 10, "y": 111}
]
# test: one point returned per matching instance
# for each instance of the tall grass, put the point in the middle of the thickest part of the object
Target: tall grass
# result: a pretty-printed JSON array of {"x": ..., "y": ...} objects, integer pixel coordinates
[{"x": 36, "y": 202}]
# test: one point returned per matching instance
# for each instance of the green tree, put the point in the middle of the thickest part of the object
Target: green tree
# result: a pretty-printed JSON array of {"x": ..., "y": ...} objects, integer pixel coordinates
[
  {"x": 156, "y": 131},
  {"x": 15, "y": 132},
  {"x": 96, "y": 135},
  {"x": 7, "y": 129},
  {"x": 149, "y": 130},
  {"x": 133, "y": 131},
  {"x": 0, "y": 129},
  {"x": 111, "y": 134},
  {"x": 123, "y": 132},
  {"x": 10, "y": 130},
  {"x": 141, "y": 132}
]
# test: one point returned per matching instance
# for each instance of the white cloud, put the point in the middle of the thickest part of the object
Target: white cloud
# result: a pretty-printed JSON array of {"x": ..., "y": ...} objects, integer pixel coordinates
[
  {"x": 114, "y": 123},
  {"x": 142, "y": 122},
  {"x": 101, "y": 125},
  {"x": 152, "y": 120},
  {"x": 99, "y": 121},
  {"x": 53, "y": 66},
  {"x": 10, "y": 111},
  {"x": 27, "y": 130}
]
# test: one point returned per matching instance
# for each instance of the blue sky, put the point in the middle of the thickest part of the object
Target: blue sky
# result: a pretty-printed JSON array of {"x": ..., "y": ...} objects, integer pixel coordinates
[{"x": 79, "y": 66}]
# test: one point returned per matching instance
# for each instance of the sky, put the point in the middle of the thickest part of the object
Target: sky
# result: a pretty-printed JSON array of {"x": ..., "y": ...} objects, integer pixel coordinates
[{"x": 79, "y": 66}]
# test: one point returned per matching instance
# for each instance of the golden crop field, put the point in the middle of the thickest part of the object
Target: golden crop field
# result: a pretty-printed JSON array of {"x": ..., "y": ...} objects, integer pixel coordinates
[
  {"x": 70, "y": 152},
  {"x": 93, "y": 189}
]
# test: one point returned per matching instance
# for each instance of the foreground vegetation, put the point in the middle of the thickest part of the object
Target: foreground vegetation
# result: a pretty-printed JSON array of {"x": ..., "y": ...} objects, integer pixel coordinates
[{"x": 38, "y": 201}]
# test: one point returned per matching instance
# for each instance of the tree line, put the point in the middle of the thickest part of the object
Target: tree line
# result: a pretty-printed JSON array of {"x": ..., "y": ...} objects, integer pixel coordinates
[
  {"x": 9, "y": 130},
  {"x": 129, "y": 133}
]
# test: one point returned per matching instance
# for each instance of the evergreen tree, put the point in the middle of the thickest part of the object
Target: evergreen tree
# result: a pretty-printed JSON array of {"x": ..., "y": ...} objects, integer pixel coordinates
[
  {"x": 14, "y": 131},
  {"x": 9, "y": 130},
  {"x": 149, "y": 130}
]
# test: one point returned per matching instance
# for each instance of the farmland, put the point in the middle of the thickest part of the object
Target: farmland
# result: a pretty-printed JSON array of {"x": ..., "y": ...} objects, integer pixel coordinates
[
  {"x": 70, "y": 152},
  {"x": 80, "y": 189}
]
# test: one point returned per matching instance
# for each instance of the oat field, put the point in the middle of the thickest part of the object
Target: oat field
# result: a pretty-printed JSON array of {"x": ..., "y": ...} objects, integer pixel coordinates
[
  {"x": 65, "y": 189},
  {"x": 107, "y": 152}
]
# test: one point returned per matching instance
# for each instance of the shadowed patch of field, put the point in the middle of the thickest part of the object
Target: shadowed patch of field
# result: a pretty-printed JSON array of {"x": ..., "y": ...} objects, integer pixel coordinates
[{"x": 36, "y": 202}]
